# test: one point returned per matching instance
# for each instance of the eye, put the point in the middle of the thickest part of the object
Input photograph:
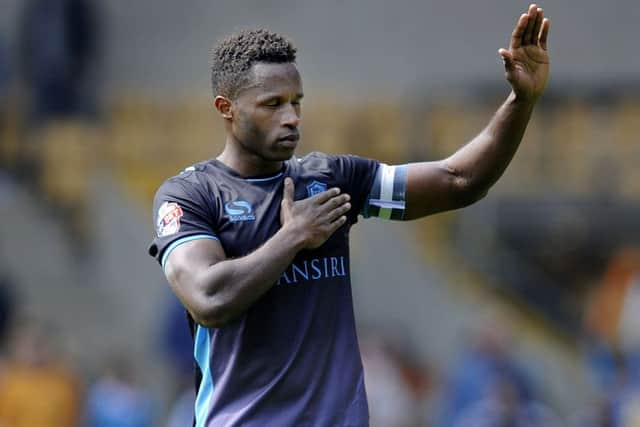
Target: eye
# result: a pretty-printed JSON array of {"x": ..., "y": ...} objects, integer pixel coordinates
[{"x": 275, "y": 102}]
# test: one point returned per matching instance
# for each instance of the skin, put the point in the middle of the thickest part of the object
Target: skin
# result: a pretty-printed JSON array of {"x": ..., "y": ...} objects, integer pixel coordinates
[
  {"x": 466, "y": 176},
  {"x": 261, "y": 125},
  {"x": 263, "y": 112}
]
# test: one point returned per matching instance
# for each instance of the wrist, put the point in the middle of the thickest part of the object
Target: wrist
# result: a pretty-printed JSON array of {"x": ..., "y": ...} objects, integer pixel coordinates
[
  {"x": 525, "y": 100},
  {"x": 293, "y": 237}
]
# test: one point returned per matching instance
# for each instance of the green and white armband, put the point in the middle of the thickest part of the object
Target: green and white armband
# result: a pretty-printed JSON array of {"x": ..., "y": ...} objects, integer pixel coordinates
[{"x": 387, "y": 196}]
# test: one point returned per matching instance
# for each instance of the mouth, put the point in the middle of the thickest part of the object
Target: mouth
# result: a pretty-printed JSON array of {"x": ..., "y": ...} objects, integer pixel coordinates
[
  {"x": 289, "y": 140},
  {"x": 292, "y": 137}
]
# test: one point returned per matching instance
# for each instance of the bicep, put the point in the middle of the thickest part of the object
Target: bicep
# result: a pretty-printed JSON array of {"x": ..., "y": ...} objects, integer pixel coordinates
[
  {"x": 409, "y": 191},
  {"x": 414, "y": 190},
  {"x": 433, "y": 187},
  {"x": 186, "y": 268}
]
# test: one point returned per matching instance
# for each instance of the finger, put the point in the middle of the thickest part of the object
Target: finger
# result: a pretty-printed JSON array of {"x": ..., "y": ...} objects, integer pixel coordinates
[
  {"x": 337, "y": 212},
  {"x": 518, "y": 31},
  {"x": 544, "y": 33},
  {"x": 507, "y": 58},
  {"x": 337, "y": 224},
  {"x": 287, "y": 192},
  {"x": 334, "y": 202},
  {"x": 320, "y": 198},
  {"x": 531, "y": 21},
  {"x": 537, "y": 26}
]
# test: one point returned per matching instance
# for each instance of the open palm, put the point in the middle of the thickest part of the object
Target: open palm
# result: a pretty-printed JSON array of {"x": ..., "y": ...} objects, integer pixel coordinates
[{"x": 527, "y": 61}]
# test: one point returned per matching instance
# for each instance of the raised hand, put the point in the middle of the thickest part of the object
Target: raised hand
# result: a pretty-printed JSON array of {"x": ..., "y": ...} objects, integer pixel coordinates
[
  {"x": 315, "y": 218},
  {"x": 526, "y": 61}
]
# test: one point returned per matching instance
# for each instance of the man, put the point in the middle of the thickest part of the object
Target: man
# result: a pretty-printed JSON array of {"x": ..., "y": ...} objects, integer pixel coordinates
[{"x": 255, "y": 242}]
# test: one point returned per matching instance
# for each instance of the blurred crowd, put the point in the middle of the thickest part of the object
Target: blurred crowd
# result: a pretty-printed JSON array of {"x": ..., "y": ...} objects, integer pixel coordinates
[
  {"x": 488, "y": 384},
  {"x": 41, "y": 386}
]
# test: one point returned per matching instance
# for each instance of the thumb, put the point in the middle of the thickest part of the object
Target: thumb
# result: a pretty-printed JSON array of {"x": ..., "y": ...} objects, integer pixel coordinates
[
  {"x": 507, "y": 57},
  {"x": 287, "y": 195}
]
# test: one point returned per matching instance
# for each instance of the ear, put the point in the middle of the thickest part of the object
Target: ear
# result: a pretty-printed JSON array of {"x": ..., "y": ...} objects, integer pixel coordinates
[{"x": 223, "y": 105}]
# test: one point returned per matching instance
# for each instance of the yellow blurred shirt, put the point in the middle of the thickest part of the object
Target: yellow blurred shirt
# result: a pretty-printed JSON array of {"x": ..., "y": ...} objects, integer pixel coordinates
[{"x": 45, "y": 396}]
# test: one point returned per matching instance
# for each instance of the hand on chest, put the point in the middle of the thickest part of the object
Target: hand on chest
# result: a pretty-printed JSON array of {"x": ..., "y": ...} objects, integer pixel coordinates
[{"x": 250, "y": 215}]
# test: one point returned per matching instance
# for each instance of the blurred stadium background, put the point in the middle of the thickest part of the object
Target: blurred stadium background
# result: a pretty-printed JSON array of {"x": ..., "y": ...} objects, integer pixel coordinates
[{"x": 526, "y": 303}]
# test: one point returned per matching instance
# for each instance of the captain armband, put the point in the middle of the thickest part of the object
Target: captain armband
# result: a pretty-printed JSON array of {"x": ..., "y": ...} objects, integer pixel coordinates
[{"x": 386, "y": 199}]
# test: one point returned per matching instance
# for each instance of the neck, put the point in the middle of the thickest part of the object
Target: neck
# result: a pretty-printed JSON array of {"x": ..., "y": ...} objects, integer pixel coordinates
[{"x": 247, "y": 163}]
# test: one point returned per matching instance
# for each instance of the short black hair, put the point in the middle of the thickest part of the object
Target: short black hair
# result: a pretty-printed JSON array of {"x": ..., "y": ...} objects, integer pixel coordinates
[{"x": 232, "y": 58}]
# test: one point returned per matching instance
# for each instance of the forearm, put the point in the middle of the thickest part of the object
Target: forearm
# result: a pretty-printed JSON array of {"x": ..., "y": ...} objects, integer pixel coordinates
[
  {"x": 231, "y": 286},
  {"x": 481, "y": 162}
]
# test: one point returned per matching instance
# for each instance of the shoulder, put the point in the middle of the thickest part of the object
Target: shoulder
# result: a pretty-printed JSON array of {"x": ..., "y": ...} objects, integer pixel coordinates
[
  {"x": 186, "y": 196},
  {"x": 316, "y": 160},
  {"x": 194, "y": 180},
  {"x": 319, "y": 160}
]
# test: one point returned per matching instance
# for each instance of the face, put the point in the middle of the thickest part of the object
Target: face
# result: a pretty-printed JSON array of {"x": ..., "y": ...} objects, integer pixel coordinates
[{"x": 266, "y": 114}]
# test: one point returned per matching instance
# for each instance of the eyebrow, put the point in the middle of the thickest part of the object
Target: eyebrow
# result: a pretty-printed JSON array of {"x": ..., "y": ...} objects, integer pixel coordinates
[{"x": 269, "y": 96}]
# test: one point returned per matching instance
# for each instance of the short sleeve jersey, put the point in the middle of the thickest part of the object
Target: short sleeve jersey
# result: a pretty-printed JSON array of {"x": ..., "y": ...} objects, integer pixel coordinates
[{"x": 292, "y": 359}]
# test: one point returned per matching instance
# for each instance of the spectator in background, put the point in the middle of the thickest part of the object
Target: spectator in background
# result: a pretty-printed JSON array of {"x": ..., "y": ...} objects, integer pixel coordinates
[
  {"x": 181, "y": 412},
  {"x": 58, "y": 49},
  {"x": 618, "y": 403},
  {"x": 7, "y": 304},
  {"x": 396, "y": 385},
  {"x": 504, "y": 406},
  {"x": 115, "y": 400},
  {"x": 597, "y": 413},
  {"x": 36, "y": 388},
  {"x": 4, "y": 72},
  {"x": 612, "y": 313},
  {"x": 486, "y": 363},
  {"x": 177, "y": 345},
  {"x": 176, "y": 339},
  {"x": 4, "y": 96},
  {"x": 4, "y": 69},
  {"x": 612, "y": 347}
]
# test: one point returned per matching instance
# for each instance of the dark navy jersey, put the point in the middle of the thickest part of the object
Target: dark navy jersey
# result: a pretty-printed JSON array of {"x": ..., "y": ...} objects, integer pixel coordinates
[{"x": 292, "y": 359}]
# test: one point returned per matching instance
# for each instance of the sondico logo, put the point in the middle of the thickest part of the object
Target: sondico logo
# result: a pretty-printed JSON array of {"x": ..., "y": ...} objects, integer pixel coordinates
[{"x": 239, "y": 210}]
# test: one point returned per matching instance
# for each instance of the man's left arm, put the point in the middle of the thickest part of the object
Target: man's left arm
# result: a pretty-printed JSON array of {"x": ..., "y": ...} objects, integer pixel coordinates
[{"x": 467, "y": 175}]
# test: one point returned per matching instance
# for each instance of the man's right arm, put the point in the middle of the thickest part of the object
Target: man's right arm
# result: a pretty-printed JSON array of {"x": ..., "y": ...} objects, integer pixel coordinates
[{"x": 215, "y": 289}]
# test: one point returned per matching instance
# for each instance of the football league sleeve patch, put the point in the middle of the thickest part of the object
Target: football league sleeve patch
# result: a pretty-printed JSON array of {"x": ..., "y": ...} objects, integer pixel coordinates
[
  {"x": 181, "y": 215},
  {"x": 387, "y": 196}
]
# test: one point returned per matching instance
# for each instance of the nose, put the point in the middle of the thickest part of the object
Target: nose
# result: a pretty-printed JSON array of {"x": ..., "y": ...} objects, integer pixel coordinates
[{"x": 291, "y": 116}]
